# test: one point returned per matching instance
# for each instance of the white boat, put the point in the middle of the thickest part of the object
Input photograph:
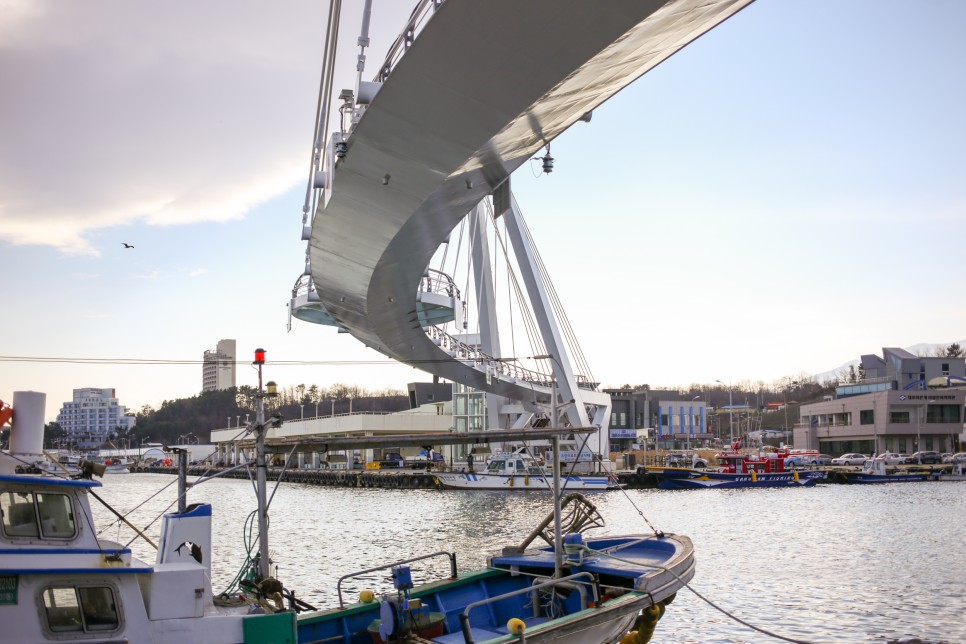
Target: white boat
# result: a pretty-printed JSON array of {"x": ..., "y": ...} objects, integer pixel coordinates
[
  {"x": 60, "y": 582},
  {"x": 519, "y": 470}
]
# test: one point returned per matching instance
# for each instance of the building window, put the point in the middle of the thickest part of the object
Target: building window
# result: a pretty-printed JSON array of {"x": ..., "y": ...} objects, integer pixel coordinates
[
  {"x": 899, "y": 417},
  {"x": 867, "y": 417}
]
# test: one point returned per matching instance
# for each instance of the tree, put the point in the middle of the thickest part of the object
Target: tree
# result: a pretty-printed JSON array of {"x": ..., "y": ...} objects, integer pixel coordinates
[
  {"x": 953, "y": 351},
  {"x": 52, "y": 432}
]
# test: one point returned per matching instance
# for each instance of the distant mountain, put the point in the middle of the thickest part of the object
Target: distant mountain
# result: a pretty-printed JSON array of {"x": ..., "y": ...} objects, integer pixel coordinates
[{"x": 923, "y": 348}]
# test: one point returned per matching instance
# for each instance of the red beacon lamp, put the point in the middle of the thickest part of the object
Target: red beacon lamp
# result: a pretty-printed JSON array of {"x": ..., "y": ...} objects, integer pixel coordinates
[{"x": 259, "y": 356}]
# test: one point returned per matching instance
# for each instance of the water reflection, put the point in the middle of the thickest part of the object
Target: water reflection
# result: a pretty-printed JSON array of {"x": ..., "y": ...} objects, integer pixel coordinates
[{"x": 832, "y": 563}]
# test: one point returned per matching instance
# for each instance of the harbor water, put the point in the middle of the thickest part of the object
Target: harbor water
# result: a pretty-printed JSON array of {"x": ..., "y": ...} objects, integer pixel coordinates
[{"x": 833, "y": 563}]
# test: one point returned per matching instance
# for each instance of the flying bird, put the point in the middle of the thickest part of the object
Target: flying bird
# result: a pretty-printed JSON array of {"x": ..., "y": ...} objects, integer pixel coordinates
[{"x": 127, "y": 245}]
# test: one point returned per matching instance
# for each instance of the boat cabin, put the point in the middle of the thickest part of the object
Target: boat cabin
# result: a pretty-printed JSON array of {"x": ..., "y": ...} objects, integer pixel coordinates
[
  {"x": 737, "y": 462},
  {"x": 516, "y": 463}
]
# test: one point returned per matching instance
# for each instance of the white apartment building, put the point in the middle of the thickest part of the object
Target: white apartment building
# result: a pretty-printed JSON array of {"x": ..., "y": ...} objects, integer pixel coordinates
[
  {"x": 218, "y": 371},
  {"x": 93, "y": 416}
]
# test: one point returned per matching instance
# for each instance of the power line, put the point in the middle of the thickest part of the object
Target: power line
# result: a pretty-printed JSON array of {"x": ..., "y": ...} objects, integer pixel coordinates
[
  {"x": 160, "y": 361},
  {"x": 174, "y": 362}
]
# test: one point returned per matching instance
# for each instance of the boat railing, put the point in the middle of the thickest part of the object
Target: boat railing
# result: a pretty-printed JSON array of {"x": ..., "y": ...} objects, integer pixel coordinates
[
  {"x": 452, "y": 570},
  {"x": 560, "y": 581}
]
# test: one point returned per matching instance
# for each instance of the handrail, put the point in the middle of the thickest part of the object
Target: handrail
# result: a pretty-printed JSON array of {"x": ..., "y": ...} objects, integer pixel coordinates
[
  {"x": 465, "y": 615},
  {"x": 497, "y": 366},
  {"x": 405, "y": 39},
  {"x": 452, "y": 570},
  {"x": 439, "y": 282}
]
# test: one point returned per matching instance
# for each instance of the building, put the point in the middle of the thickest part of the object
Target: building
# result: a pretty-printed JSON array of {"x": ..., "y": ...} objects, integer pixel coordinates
[
  {"x": 218, "y": 370},
  {"x": 93, "y": 417},
  {"x": 898, "y": 369},
  {"x": 898, "y": 403},
  {"x": 638, "y": 414}
]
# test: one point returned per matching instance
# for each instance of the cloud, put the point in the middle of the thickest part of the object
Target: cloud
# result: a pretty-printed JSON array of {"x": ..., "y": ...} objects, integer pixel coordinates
[
  {"x": 153, "y": 275},
  {"x": 117, "y": 112},
  {"x": 197, "y": 271}
]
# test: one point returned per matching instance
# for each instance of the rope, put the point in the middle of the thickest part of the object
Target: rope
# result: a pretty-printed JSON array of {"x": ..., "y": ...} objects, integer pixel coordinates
[
  {"x": 763, "y": 631},
  {"x": 247, "y": 531}
]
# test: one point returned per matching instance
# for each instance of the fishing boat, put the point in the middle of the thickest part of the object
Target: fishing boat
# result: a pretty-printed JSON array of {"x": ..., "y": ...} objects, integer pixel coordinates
[
  {"x": 738, "y": 469},
  {"x": 59, "y": 581},
  {"x": 874, "y": 471},
  {"x": 519, "y": 470}
]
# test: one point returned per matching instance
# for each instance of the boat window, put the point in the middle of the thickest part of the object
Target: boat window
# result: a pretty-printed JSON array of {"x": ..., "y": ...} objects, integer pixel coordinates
[
  {"x": 80, "y": 609},
  {"x": 56, "y": 517},
  {"x": 20, "y": 515},
  {"x": 100, "y": 613},
  {"x": 520, "y": 467},
  {"x": 63, "y": 610},
  {"x": 496, "y": 466}
]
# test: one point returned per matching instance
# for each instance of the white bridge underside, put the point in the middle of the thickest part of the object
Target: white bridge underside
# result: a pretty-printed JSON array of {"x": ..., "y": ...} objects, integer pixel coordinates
[{"x": 484, "y": 86}]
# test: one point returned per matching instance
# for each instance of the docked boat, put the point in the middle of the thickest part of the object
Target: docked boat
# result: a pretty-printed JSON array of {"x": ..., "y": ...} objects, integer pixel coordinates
[
  {"x": 60, "y": 582},
  {"x": 519, "y": 470},
  {"x": 737, "y": 469},
  {"x": 874, "y": 471},
  {"x": 117, "y": 465}
]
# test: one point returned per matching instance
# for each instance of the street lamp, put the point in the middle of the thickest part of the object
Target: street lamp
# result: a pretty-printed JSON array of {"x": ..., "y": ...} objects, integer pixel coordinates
[
  {"x": 731, "y": 412},
  {"x": 922, "y": 412}
]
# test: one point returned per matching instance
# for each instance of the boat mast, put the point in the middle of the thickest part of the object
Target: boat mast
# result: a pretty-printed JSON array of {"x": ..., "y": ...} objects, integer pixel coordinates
[
  {"x": 557, "y": 511},
  {"x": 261, "y": 470}
]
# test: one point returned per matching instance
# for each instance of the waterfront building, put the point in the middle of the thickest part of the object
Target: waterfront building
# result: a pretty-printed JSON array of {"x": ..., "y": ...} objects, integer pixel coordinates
[
  {"x": 898, "y": 403},
  {"x": 92, "y": 417},
  {"x": 661, "y": 414},
  {"x": 426, "y": 419},
  {"x": 898, "y": 369},
  {"x": 218, "y": 368}
]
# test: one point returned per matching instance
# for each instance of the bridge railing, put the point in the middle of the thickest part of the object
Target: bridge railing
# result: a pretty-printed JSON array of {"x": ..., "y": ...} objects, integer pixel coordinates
[
  {"x": 499, "y": 367},
  {"x": 435, "y": 281},
  {"x": 420, "y": 16},
  {"x": 303, "y": 286}
]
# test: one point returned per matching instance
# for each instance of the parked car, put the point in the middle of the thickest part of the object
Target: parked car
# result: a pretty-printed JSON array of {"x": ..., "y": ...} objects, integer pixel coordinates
[
  {"x": 392, "y": 459},
  {"x": 959, "y": 457},
  {"x": 426, "y": 460},
  {"x": 891, "y": 458},
  {"x": 820, "y": 459},
  {"x": 925, "y": 457},
  {"x": 684, "y": 460},
  {"x": 850, "y": 459}
]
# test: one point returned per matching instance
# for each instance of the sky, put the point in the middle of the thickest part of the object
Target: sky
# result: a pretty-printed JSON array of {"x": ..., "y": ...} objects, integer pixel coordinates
[{"x": 785, "y": 194}]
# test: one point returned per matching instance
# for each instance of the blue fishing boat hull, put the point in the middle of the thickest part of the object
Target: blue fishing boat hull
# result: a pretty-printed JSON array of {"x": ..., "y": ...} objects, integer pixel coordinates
[
  {"x": 698, "y": 480},
  {"x": 864, "y": 478}
]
